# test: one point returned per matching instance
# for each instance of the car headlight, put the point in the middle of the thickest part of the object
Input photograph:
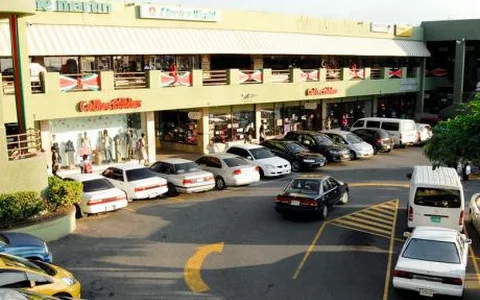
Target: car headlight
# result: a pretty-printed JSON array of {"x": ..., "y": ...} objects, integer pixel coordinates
[
  {"x": 68, "y": 280},
  {"x": 46, "y": 248},
  {"x": 308, "y": 160}
]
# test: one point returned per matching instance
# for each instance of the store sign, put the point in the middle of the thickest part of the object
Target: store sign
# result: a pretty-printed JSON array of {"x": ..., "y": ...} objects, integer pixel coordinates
[
  {"x": 194, "y": 115},
  {"x": 403, "y": 31},
  {"x": 91, "y": 7},
  {"x": 115, "y": 104},
  {"x": 409, "y": 85},
  {"x": 158, "y": 11},
  {"x": 321, "y": 92},
  {"x": 310, "y": 106},
  {"x": 380, "y": 27}
]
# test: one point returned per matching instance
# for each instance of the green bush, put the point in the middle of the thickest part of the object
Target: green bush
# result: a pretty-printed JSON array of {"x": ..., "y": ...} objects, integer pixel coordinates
[
  {"x": 15, "y": 207},
  {"x": 63, "y": 193}
]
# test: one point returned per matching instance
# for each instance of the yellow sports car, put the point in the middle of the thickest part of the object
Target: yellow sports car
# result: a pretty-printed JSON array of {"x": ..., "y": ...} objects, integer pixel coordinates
[{"x": 37, "y": 276}]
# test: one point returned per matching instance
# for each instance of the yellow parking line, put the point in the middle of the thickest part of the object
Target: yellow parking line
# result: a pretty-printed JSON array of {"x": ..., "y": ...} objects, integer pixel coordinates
[
  {"x": 191, "y": 271},
  {"x": 369, "y": 222},
  {"x": 365, "y": 231},
  {"x": 379, "y": 184},
  {"x": 390, "y": 254},
  {"x": 353, "y": 224},
  {"x": 373, "y": 218},
  {"x": 474, "y": 260},
  {"x": 380, "y": 215},
  {"x": 129, "y": 209},
  {"x": 388, "y": 212}
]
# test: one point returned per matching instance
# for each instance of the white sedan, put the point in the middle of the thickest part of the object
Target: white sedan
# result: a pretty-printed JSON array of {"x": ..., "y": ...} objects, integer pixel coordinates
[
  {"x": 136, "y": 180},
  {"x": 433, "y": 261},
  {"x": 269, "y": 164},
  {"x": 229, "y": 170},
  {"x": 474, "y": 212},
  {"x": 358, "y": 147},
  {"x": 183, "y": 176},
  {"x": 99, "y": 195}
]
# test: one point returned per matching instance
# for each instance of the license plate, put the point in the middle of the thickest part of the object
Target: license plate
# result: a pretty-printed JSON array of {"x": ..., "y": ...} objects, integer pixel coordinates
[
  {"x": 112, "y": 207},
  {"x": 426, "y": 292},
  {"x": 295, "y": 203},
  {"x": 436, "y": 219}
]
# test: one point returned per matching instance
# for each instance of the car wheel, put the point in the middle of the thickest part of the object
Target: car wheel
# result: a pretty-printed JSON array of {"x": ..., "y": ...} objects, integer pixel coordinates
[
  {"x": 375, "y": 150},
  {"x": 295, "y": 166},
  {"x": 172, "y": 191},
  {"x": 324, "y": 212},
  {"x": 353, "y": 155},
  {"x": 63, "y": 296},
  {"x": 389, "y": 150},
  {"x": 262, "y": 175},
  {"x": 78, "y": 212},
  {"x": 345, "y": 197},
  {"x": 219, "y": 183}
]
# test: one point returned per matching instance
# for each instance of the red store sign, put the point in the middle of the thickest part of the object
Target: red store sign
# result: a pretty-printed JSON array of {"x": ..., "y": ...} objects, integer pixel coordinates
[
  {"x": 115, "y": 104},
  {"x": 321, "y": 92}
]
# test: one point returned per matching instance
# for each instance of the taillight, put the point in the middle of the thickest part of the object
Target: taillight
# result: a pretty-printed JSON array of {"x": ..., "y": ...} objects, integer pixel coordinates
[
  {"x": 187, "y": 181},
  {"x": 453, "y": 281},
  {"x": 462, "y": 218},
  {"x": 237, "y": 172},
  {"x": 402, "y": 274},
  {"x": 282, "y": 199},
  {"x": 93, "y": 202},
  {"x": 139, "y": 189},
  {"x": 410, "y": 213},
  {"x": 309, "y": 203},
  {"x": 208, "y": 178}
]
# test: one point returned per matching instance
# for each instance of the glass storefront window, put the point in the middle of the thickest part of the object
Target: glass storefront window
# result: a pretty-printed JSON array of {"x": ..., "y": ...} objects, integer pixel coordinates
[
  {"x": 92, "y": 64},
  {"x": 267, "y": 116},
  {"x": 243, "y": 118},
  {"x": 228, "y": 124},
  {"x": 183, "y": 62},
  {"x": 177, "y": 127},
  {"x": 128, "y": 63},
  {"x": 291, "y": 117},
  {"x": 62, "y": 64}
]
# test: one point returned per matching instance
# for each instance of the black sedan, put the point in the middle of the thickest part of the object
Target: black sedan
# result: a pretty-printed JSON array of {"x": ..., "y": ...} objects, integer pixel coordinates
[
  {"x": 320, "y": 143},
  {"x": 378, "y": 138},
  {"x": 298, "y": 156},
  {"x": 312, "y": 195}
]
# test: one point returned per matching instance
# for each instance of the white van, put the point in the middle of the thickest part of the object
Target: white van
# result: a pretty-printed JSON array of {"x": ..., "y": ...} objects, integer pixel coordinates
[
  {"x": 403, "y": 131},
  {"x": 435, "y": 198}
]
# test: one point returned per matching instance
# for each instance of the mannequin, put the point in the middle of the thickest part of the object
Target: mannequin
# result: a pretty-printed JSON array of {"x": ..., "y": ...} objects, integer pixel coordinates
[
  {"x": 106, "y": 147},
  {"x": 70, "y": 150},
  {"x": 86, "y": 146},
  {"x": 130, "y": 139},
  {"x": 118, "y": 139},
  {"x": 57, "y": 150}
]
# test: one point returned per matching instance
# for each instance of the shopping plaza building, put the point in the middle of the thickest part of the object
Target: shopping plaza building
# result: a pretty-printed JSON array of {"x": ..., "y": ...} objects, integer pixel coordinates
[{"x": 89, "y": 75}]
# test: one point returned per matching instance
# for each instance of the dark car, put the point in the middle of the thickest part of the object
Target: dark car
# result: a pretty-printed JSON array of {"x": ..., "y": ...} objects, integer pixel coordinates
[
  {"x": 320, "y": 143},
  {"x": 312, "y": 195},
  {"x": 378, "y": 138},
  {"x": 298, "y": 156}
]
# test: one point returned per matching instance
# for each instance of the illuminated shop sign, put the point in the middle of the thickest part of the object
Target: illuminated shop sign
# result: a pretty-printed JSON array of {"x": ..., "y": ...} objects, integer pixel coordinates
[
  {"x": 157, "y": 11},
  {"x": 321, "y": 92},
  {"x": 115, "y": 104},
  {"x": 92, "y": 7}
]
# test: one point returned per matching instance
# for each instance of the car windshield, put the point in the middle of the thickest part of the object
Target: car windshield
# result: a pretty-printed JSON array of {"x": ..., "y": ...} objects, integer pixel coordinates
[
  {"x": 430, "y": 250},
  {"x": 3, "y": 239},
  {"x": 184, "y": 168},
  {"x": 261, "y": 153},
  {"x": 304, "y": 186},
  {"x": 18, "y": 262},
  {"x": 139, "y": 174},
  {"x": 234, "y": 162},
  {"x": 435, "y": 197},
  {"x": 323, "y": 140},
  {"x": 351, "y": 138},
  {"x": 96, "y": 185},
  {"x": 296, "y": 148}
]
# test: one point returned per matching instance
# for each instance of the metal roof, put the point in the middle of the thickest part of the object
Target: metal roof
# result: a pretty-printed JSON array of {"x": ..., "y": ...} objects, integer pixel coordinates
[
  {"x": 57, "y": 39},
  {"x": 441, "y": 176}
]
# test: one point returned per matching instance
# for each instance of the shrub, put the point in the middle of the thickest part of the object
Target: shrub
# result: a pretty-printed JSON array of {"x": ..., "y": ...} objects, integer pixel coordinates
[
  {"x": 63, "y": 193},
  {"x": 15, "y": 207}
]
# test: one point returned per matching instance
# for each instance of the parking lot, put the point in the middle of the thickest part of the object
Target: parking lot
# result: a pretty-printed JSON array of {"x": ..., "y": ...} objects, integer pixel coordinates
[{"x": 231, "y": 244}]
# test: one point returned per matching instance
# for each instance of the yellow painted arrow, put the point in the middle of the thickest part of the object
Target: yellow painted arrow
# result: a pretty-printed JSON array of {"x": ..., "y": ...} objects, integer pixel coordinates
[{"x": 191, "y": 272}]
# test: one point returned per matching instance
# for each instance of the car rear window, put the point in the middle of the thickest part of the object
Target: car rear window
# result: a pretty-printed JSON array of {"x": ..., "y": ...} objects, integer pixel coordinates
[
  {"x": 96, "y": 185},
  {"x": 392, "y": 126},
  {"x": 430, "y": 250},
  {"x": 434, "y": 197},
  {"x": 261, "y": 153},
  {"x": 234, "y": 162},
  {"x": 304, "y": 186},
  {"x": 184, "y": 168},
  {"x": 373, "y": 124},
  {"x": 139, "y": 174}
]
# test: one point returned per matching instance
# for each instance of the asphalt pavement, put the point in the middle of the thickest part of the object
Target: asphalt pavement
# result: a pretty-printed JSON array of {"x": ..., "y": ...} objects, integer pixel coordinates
[{"x": 232, "y": 245}]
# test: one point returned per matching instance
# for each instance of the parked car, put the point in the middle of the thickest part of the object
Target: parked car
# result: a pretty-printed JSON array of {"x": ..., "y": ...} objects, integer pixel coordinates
[
  {"x": 269, "y": 165},
  {"x": 474, "y": 212},
  {"x": 424, "y": 132},
  {"x": 433, "y": 261},
  {"x": 312, "y": 195},
  {"x": 403, "y": 131},
  {"x": 298, "y": 156},
  {"x": 229, "y": 169},
  {"x": 36, "y": 276},
  {"x": 320, "y": 143},
  {"x": 136, "y": 181},
  {"x": 183, "y": 176},
  {"x": 99, "y": 195},
  {"x": 24, "y": 245},
  {"x": 358, "y": 147},
  {"x": 20, "y": 294},
  {"x": 378, "y": 138}
]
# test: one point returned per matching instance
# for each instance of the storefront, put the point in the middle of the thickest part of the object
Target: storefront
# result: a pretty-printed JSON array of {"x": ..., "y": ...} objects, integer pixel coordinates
[
  {"x": 177, "y": 126},
  {"x": 397, "y": 105},
  {"x": 352, "y": 109},
  {"x": 231, "y": 123}
]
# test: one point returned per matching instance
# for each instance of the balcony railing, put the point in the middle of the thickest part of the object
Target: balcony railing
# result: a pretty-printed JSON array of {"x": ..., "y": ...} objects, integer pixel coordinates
[
  {"x": 334, "y": 74},
  {"x": 376, "y": 74},
  {"x": 215, "y": 77},
  {"x": 281, "y": 76},
  {"x": 26, "y": 145},
  {"x": 130, "y": 80},
  {"x": 8, "y": 85}
]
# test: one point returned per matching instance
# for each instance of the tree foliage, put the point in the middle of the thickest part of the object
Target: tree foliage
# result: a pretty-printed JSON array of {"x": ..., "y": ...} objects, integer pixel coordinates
[{"x": 457, "y": 140}]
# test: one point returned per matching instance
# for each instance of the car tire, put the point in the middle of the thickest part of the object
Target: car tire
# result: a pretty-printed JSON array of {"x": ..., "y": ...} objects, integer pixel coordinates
[
  {"x": 172, "y": 191},
  {"x": 63, "y": 296},
  {"x": 220, "y": 183},
  {"x": 345, "y": 198},
  {"x": 323, "y": 213},
  {"x": 375, "y": 150},
  {"x": 78, "y": 212},
  {"x": 262, "y": 175},
  {"x": 353, "y": 155},
  {"x": 295, "y": 166},
  {"x": 389, "y": 150}
]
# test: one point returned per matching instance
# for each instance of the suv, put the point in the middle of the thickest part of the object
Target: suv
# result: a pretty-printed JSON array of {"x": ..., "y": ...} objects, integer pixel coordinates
[
  {"x": 378, "y": 138},
  {"x": 320, "y": 143}
]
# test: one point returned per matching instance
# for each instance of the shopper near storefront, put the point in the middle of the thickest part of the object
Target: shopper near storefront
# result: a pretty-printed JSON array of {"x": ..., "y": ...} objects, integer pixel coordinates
[
  {"x": 344, "y": 122},
  {"x": 263, "y": 136},
  {"x": 142, "y": 150},
  {"x": 55, "y": 161},
  {"x": 85, "y": 165}
]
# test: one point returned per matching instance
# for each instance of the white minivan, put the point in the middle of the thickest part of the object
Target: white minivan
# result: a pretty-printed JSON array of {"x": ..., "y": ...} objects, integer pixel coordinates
[
  {"x": 435, "y": 198},
  {"x": 403, "y": 131}
]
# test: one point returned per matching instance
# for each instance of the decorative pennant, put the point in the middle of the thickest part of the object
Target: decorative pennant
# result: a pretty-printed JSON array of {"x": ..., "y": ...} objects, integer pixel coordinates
[
  {"x": 357, "y": 73},
  {"x": 438, "y": 72},
  {"x": 90, "y": 82},
  {"x": 395, "y": 73},
  {"x": 310, "y": 76},
  {"x": 255, "y": 77},
  {"x": 169, "y": 79}
]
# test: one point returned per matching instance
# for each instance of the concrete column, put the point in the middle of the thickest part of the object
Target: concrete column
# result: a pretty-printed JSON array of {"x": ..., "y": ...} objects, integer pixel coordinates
[
  {"x": 51, "y": 82},
  {"x": 267, "y": 76},
  {"x": 154, "y": 79},
  {"x": 420, "y": 78},
  {"x": 107, "y": 81},
  {"x": 385, "y": 73},
  {"x": 324, "y": 112},
  {"x": 374, "y": 106},
  {"x": 197, "y": 78},
  {"x": 368, "y": 73},
  {"x": 404, "y": 72},
  {"x": 258, "y": 121},
  {"x": 295, "y": 75},
  {"x": 459, "y": 71},
  {"x": 322, "y": 75},
  {"x": 345, "y": 74},
  {"x": 46, "y": 134},
  {"x": 148, "y": 127},
  {"x": 257, "y": 62},
  {"x": 203, "y": 130},
  {"x": 232, "y": 76}
]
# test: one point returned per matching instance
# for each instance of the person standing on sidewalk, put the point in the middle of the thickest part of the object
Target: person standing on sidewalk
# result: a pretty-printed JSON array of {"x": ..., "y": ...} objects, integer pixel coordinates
[
  {"x": 55, "y": 161},
  {"x": 142, "y": 150}
]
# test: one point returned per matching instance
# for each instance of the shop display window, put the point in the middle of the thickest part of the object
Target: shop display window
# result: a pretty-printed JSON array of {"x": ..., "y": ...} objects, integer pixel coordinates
[
  {"x": 62, "y": 64},
  {"x": 228, "y": 124},
  {"x": 93, "y": 64},
  {"x": 177, "y": 127},
  {"x": 183, "y": 62},
  {"x": 128, "y": 63}
]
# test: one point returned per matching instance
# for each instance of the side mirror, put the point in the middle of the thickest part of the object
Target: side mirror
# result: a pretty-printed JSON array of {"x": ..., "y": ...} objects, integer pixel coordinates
[
  {"x": 409, "y": 175},
  {"x": 407, "y": 234},
  {"x": 249, "y": 157}
]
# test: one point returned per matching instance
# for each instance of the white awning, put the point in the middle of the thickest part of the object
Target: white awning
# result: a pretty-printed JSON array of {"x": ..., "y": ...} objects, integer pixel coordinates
[{"x": 109, "y": 40}]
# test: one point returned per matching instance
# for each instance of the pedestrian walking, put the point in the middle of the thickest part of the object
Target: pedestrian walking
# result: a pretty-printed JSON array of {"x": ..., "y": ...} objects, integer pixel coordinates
[
  {"x": 55, "y": 161},
  {"x": 86, "y": 165},
  {"x": 142, "y": 150},
  {"x": 263, "y": 136},
  {"x": 344, "y": 122}
]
